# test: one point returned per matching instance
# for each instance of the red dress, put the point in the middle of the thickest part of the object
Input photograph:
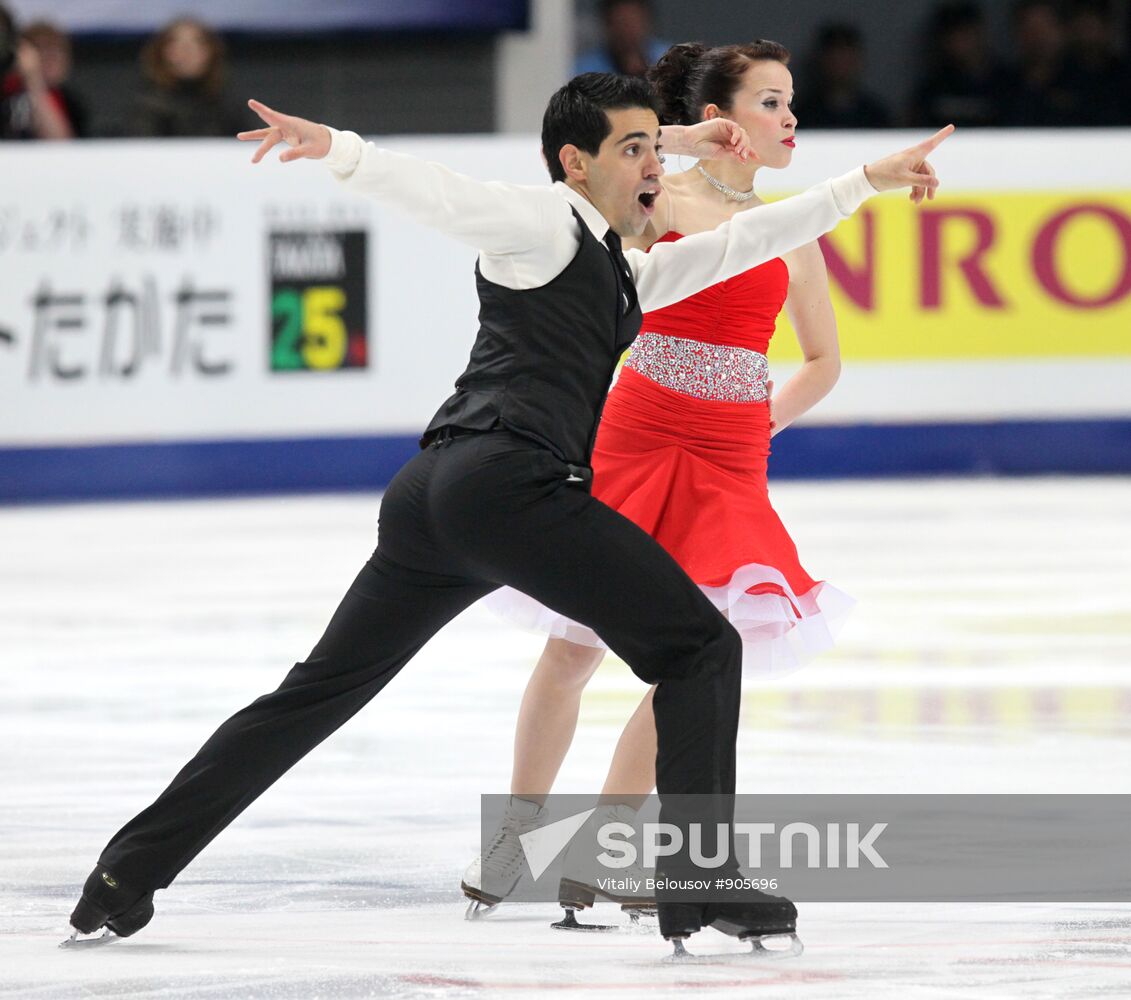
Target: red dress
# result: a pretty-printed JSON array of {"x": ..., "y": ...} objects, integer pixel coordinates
[{"x": 682, "y": 449}]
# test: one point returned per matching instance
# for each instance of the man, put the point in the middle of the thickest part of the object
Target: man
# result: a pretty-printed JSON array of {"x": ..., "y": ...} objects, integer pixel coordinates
[
  {"x": 963, "y": 80},
  {"x": 28, "y": 109},
  {"x": 627, "y": 45},
  {"x": 56, "y": 58},
  {"x": 498, "y": 494},
  {"x": 837, "y": 97}
]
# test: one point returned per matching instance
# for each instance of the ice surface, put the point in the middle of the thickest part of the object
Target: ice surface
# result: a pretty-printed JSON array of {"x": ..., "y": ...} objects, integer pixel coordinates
[{"x": 989, "y": 653}]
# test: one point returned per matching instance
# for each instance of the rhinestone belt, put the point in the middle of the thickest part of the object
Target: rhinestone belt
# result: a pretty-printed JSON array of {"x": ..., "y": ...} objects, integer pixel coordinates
[{"x": 705, "y": 371}]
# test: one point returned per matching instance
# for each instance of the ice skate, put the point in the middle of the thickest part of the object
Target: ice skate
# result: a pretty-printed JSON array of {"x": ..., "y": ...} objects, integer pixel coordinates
[
  {"x": 769, "y": 923},
  {"x": 584, "y": 881},
  {"x": 492, "y": 876},
  {"x": 110, "y": 906}
]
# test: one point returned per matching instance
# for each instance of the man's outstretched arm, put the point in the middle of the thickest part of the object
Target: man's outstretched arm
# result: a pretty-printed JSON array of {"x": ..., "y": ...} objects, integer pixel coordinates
[
  {"x": 670, "y": 272},
  {"x": 488, "y": 215}
]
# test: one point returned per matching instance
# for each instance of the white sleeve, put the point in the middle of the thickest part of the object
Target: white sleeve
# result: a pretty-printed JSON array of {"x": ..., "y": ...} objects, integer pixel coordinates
[
  {"x": 488, "y": 215},
  {"x": 670, "y": 272}
]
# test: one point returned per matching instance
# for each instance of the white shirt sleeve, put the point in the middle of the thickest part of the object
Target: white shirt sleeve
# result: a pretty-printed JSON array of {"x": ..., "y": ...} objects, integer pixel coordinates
[
  {"x": 493, "y": 217},
  {"x": 670, "y": 272}
]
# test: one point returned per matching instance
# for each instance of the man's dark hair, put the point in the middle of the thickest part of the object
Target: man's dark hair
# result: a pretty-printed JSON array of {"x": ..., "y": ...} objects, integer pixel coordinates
[{"x": 577, "y": 114}]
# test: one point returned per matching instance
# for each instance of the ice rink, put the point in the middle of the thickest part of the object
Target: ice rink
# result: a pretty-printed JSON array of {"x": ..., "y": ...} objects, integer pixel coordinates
[{"x": 989, "y": 652}]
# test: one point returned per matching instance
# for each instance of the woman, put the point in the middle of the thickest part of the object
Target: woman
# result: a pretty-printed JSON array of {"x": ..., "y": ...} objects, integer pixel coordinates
[
  {"x": 184, "y": 64},
  {"x": 683, "y": 444}
]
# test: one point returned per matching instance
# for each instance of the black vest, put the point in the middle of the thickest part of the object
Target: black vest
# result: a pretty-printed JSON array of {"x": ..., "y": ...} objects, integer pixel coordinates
[{"x": 544, "y": 357}]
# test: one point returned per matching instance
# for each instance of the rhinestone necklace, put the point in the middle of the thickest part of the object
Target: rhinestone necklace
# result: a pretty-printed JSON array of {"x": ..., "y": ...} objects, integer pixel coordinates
[{"x": 727, "y": 191}]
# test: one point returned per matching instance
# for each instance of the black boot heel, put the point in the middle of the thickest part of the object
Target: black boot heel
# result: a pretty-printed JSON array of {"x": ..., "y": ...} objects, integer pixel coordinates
[
  {"x": 134, "y": 920},
  {"x": 679, "y": 920}
]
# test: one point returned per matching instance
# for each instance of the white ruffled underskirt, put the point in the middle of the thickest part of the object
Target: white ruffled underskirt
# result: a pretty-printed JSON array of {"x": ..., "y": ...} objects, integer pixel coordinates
[{"x": 775, "y": 639}]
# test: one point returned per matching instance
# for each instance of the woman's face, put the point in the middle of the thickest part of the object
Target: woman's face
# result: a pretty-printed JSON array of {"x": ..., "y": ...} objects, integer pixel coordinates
[
  {"x": 761, "y": 106},
  {"x": 186, "y": 52}
]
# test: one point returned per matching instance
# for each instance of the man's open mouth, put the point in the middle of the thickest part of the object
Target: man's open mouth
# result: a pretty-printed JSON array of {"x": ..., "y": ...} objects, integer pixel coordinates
[{"x": 648, "y": 198}]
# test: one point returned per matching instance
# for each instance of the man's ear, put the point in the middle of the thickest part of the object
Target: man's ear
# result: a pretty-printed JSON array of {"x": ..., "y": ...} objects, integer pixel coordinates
[{"x": 573, "y": 163}]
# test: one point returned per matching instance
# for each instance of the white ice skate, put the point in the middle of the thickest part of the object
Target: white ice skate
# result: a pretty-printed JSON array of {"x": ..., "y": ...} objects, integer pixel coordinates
[
  {"x": 492, "y": 876},
  {"x": 584, "y": 880}
]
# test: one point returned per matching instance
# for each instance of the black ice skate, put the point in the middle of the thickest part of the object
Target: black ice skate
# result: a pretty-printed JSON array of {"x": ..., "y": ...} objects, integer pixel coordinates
[
  {"x": 757, "y": 918},
  {"x": 110, "y": 906}
]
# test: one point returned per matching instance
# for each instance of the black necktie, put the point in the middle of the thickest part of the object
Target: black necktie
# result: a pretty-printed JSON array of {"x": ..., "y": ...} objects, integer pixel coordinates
[{"x": 625, "y": 285}]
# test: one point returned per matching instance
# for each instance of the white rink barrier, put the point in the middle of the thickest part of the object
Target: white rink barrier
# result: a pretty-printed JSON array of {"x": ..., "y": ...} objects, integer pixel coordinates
[{"x": 175, "y": 320}]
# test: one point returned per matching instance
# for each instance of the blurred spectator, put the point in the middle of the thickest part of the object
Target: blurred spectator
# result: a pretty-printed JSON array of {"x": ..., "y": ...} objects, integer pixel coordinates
[
  {"x": 27, "y": 108},
  {"x": 1097, "y": 78},
  {"x": 184, "y": 64},
  {"x": 54, "y": 48},
  {"x": 1036, "y": 91},
  {"x": 628, "y": 46},
  {"x": 964, "y": 81},
  {"x": 833, "y": 95}
]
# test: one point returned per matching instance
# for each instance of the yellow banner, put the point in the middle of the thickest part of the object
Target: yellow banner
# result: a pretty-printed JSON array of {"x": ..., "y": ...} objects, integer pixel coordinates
[{"x": 981, "y": 275}]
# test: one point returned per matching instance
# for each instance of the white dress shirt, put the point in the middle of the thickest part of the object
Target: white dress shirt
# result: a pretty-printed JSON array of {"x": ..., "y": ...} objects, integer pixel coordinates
[{"x": 527, "y": 235}]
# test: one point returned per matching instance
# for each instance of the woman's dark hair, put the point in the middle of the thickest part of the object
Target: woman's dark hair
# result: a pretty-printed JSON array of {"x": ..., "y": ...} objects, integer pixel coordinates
[
  {"x": 153, "y": 57},
  {"x": 689, "y": 76},
  {"x": 577, "y": 113}
]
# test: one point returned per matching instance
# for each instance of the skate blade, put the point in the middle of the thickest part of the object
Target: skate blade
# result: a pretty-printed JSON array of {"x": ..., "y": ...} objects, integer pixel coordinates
[
  {"x": 758, "y": 952},
  {"x": 570, "y": 923},
  {"x": 794, "y": 948},
  {"x": 638, "y": 926},
  {"x": 481, "y": 904},
  {"x": 76, "y": 942},
  {"x": 477, "y": 909}
]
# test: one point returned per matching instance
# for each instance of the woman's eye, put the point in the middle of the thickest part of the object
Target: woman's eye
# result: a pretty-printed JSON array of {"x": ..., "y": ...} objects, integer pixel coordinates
[
  {"x": 663, "y": 159},
  {"x": 769, "y": 104}
]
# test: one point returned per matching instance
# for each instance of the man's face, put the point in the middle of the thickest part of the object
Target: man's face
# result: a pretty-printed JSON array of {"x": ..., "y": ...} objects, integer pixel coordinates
[{"x": 623, "y": 179}]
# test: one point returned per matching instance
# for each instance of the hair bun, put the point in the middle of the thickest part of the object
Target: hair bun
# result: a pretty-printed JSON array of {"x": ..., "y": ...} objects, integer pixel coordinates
[{"x": 670, "y": 79}]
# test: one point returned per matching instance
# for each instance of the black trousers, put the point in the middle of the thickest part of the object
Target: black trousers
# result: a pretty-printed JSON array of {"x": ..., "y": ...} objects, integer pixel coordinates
[{"x": 461, "y": 518}]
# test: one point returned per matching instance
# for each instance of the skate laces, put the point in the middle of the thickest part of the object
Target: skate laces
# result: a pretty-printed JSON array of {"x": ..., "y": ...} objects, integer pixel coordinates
[{"x": 504, "y": 854}]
